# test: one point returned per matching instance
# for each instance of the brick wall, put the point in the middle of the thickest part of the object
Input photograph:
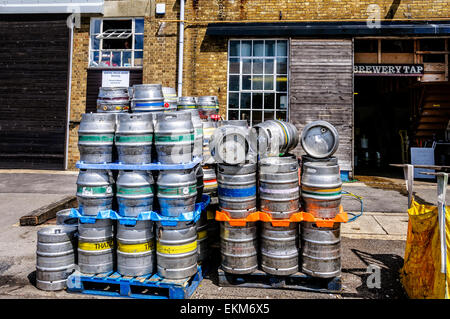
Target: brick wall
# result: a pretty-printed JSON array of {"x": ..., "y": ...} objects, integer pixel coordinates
[{"x": 205, "y": 58}]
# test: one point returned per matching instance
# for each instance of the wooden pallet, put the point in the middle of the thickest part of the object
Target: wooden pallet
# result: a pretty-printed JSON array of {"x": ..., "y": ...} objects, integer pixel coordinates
[{"x": 298, "y": 281}]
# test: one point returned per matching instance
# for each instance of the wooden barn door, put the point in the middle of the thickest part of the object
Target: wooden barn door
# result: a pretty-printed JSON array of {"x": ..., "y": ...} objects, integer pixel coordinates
[{"x": 321, "y": 88}]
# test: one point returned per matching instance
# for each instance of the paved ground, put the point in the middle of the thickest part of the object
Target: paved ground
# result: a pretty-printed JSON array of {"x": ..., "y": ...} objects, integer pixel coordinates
[{"x": 377, "y": 237}]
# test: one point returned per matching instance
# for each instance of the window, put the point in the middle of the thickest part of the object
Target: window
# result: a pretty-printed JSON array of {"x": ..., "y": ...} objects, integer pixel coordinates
[
  {"x": 257, "y": 80},
  {"x": 116, "y": 43}
]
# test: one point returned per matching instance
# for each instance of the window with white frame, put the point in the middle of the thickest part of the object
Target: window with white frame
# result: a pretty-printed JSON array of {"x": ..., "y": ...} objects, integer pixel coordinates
[
  {"x": 257, "y": 80},
  {"x": 116, "y": 42}
]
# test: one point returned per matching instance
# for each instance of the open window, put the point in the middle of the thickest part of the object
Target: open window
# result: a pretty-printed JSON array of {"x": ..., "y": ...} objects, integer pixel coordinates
[{"x": 116, "y": 42}]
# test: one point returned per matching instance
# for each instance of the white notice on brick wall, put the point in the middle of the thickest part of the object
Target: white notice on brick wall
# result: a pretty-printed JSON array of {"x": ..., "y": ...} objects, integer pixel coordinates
[{"x": 115, "y": 78}]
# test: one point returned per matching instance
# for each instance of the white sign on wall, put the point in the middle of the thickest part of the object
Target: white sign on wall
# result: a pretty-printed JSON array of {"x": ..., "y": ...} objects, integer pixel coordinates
[{"x": 115, "y": 78}]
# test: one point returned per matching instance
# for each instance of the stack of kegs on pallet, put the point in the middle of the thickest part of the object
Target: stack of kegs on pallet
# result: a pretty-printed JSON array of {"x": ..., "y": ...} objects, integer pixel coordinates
[
  {"x": 321, "y": 188},
  {"x": 271, "y": 186}
]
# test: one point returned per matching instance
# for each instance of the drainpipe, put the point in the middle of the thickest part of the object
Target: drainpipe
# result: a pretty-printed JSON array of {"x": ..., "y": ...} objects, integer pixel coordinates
[
  {"x": 181, "y": 50},
  {"x": 69, "y": 94}
]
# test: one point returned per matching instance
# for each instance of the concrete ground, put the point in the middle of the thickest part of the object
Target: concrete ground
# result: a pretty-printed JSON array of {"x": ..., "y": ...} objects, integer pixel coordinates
[{"x": 376, "y": 238}]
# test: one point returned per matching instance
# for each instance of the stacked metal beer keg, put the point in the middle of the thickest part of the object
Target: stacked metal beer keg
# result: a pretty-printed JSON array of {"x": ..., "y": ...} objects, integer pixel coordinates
[
  {"x": 321, "y": 193},
  {"x": 113, "y": 100}
]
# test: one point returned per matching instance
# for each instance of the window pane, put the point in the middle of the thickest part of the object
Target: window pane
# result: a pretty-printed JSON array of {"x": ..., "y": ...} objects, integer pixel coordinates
[
  {"x": 233, "y": 115},
  {"x": 234, "y": 83},
  {"x": 234, "y": 66},
  {"x": 269, "y": 100},
  {"x": 116, "y": 58},
  {"x": 138, "y": 56},
  {"x": 139, "y": 25},
  {"x": 281, "y": 48},
  {"x": 257, "y": 117},
  {"x": 246, "y": 66},
  {"x": 281, "y": 65},
  {"x": 138, "y": 42},
  {"x": 233, "y": 100},
  {"x": 246, "y": 82},
  {"x": 268, "y": 66},
  {"x": 257, "y": 101},
  {"x": 95, "y": 26},
  {"x": 94, "y": 58},
  {"x": 245, "y": 100},
  {"x": 269, "y": 116},
  {"x": 270, "y": 48},
  {"x": 245, "y": 115},
  {"x": 95, "y": 43},
  {"x": 257, "y": 66},
  {"x": 127, "y": 58},
  {"x": 281, "y": 101},
  {"x": 281, "y": 83},
  {"x": 105, "y": 58},
  {"x": 246, "y": 49},
  {"x": 257, "y": 81},
  {"x": 234, "y": 48},
  {"x": 282, "y": 116},
  {"x": 258, "y": 48},
  {"x": 268, "y": 82}
]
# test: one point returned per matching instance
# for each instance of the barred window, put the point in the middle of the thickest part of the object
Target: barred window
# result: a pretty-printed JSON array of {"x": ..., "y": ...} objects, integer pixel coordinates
[
  {"x": 257, "y": 80},
  {"x": 116, "y": 42}
]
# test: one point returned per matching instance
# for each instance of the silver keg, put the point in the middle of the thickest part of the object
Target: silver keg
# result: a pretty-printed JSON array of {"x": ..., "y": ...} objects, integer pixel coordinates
[
  {"x": 208, "y": 130},
  {"x": 134, "y": 192},
  {"x": 202, "y": 236},
  {"x": 94, "y": 191},
  {"x": 170, "y": 99},
  {"x": 55, "y": 256},
  {"x": 321, "y": 250},
  {"x": 176, "y": 250},
  {"x": 174, "y": 137},
  {"x": 134, "y": 138},
  {"x": 96, "y": 137},
  {"x": 198, "y": 132},
  {"x": 200, "y": 186},
  {"x": 113, "y": 100},
  {"x": 274, "y": 138},
  {"x": 186, "y": 103},
  {"x": 321, "y": 186},
  {"x": 279, "y": 249},
  {"x": 279, "y": 191},
  {"x": 207, "y": 106},
  {"x": 136, "y": 249},
  {"x": 177, "y": 191},
  {"x": 320, "y": 139},
  {"x": 63, "y": 218},
  {"x": 210, "y": 180},
  {"x": 237, "y": 189},
  {"x": 230, "y": 143},
  {"x": 239, "y": 248},
  {"x": 147, "y": 98},
  {"x": 96, "y": 247}
]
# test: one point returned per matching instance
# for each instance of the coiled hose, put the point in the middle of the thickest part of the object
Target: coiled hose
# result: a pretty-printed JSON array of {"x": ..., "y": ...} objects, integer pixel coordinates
[{"x": 355, "y": 216}]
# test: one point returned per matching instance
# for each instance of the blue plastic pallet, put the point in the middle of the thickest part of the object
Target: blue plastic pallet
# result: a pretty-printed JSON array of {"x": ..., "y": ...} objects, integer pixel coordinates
[
  {"x": 114, "y": 284},
  {"x": 153, "y": 216},
  {"x": 142, "y": 167}
]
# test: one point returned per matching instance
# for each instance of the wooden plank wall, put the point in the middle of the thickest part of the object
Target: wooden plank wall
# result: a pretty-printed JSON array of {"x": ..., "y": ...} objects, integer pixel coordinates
[
  {"x": 321, "y": 88},
  {"x": 34, "y": 61},
  {"x": 94, "y": 82}
]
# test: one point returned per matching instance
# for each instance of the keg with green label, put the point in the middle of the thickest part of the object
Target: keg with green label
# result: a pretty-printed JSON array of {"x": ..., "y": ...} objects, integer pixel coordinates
[
  {"x": 94, "y": 191},
  {"x": 135, "y": 249},
  {"x": 198, "y": 132},
  {"x": 135, "y": 192},
  {"x": 134, "y": 138},
  {"x": 96, "y": 137},
  {"x": 176, "y": 191}
]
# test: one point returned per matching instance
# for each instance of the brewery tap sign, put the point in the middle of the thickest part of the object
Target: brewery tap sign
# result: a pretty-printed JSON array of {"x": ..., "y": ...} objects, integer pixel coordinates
[
  {"x": 115, "y": 78},
  {"x": 388, "y": 69}
]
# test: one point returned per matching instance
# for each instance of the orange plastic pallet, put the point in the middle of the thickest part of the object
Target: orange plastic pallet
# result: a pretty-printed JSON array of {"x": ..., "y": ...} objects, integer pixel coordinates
[{"x": 341, "y": 217}]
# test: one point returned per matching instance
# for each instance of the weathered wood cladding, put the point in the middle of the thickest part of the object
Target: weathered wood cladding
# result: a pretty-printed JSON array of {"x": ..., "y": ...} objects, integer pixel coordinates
[
  {"x": 321, "y": 88},
  {"x": 94, "y": 82},
  {"x": 34, "y": 62}
]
